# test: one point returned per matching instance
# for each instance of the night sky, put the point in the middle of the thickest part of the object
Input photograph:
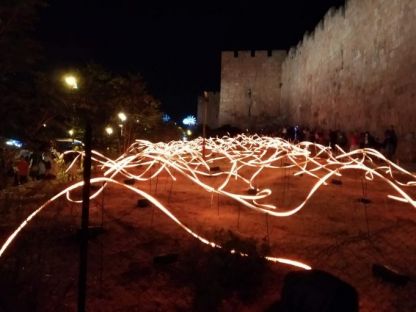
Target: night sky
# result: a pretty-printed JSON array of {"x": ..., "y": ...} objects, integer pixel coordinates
[{"x": 175, "y": 45}]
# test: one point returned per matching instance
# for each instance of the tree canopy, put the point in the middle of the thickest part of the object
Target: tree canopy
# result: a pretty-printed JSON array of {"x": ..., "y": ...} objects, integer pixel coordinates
[{"x": 35, "y": 103}]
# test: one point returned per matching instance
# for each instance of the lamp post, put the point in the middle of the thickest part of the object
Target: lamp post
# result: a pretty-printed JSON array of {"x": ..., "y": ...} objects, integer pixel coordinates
[
  {"x": 71, "y": 82},
  {"x": 71, "y": 134},
  {"x": 123, "y": 117},
  {"x": 204, "y": 123},
  {"x": 109, "y": 131}
]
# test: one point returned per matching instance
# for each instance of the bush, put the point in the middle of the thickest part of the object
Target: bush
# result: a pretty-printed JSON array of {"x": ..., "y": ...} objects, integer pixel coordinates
[{"x": 216, "y": 274}]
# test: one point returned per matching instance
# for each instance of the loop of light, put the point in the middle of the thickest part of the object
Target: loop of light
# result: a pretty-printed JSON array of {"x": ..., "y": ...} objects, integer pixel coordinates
[{"x": 242, "y": 159}]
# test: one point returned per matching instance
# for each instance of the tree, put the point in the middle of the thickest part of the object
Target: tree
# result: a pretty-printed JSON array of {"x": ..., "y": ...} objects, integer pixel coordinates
[
  {"x": 35, "y": 105},
  {"x": 131, "y": 96},
  {"x": 101, "y": 95}
]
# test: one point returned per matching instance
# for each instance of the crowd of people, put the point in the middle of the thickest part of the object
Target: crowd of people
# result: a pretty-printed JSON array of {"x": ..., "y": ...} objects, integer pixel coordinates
[
  {"x": 18, "y": 166},
  {"x": 347, "y": 141}
]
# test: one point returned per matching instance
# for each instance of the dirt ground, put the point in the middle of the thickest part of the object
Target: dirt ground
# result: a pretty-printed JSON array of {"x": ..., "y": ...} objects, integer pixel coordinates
[{"x": 334, "y": 232}]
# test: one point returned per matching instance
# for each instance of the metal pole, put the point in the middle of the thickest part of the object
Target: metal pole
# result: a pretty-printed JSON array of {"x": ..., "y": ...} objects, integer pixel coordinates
[
  {"x": 238, "y": 219},
  {"x": 267, "y": 226},
  {"x": 204, "y": 123},
  {"x": 83, "y": 252}
]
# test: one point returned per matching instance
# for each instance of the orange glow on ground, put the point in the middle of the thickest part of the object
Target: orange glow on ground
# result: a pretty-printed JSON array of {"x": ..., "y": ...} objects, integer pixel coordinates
[{"x": 242, "y": 160}]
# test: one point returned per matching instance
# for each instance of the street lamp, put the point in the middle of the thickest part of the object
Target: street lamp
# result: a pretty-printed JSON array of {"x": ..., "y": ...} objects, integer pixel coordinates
[
  {"x": 122, "y": 116},
  {"x": 71, "y": 82},
  {"x": 109, "y": 130}
]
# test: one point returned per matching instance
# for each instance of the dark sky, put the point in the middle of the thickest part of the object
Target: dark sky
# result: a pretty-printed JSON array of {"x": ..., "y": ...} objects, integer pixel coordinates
[{"x": 175, "y": 45}]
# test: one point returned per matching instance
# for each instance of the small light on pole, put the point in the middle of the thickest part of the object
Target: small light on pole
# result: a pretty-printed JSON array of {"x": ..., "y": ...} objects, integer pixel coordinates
[
  {"x": 123, "y": 117},
  {"x": 71, "y": 132}
]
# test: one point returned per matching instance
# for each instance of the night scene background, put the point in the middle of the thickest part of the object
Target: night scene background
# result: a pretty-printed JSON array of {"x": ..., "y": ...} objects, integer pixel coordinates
[{"x": 175, "y": 45}]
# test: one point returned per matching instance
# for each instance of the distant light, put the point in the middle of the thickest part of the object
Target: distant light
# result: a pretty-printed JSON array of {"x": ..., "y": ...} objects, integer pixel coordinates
[
  {"x": 109, "y": 130},
  {"x": 189, "y": 120},
  {"x": 44, "y": 125},
  {"x": 14, "y": 143},
  {"x": 137, "y": 120},
  {"x": 166, "y": 118},
  {"x": 189, "y": 132},
  {"x": 122, "y": 116},
  {"x": 71, "y": 132},
  {"x": 73, "y": 141},
  {"x": 71, "y": 81}
]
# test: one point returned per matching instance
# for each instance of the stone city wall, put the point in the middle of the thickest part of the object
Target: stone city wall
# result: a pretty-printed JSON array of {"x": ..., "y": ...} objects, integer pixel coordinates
[{"x": 357, "y": 71}]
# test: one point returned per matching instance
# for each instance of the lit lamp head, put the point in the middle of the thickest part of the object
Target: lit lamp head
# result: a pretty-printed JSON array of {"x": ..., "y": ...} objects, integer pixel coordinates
[
  {"x": 71, "y": 81},
  {"x": 122, "y": 116},
  {"x": 109, "y": 130},
  {"x": 71, "y": 132}
]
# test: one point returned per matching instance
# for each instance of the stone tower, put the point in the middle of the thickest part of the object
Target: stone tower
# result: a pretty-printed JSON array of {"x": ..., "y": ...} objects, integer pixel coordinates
[{"x": 250, "y": 89}]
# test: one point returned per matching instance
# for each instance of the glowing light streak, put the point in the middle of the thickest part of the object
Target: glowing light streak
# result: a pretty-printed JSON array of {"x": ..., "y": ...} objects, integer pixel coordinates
[
  {"x": 289, "y": 262},
  {"x": 242, "y": 160}
]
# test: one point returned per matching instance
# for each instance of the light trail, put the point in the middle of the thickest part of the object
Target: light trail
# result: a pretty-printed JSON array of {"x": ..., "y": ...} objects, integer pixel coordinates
[{"x": 241, "y": 160}]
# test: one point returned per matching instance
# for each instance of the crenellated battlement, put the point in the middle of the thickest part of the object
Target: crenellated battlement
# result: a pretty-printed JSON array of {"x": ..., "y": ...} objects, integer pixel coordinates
[
  {"x": 332, "y": 18},
  {"x": 255, "y": 54}
]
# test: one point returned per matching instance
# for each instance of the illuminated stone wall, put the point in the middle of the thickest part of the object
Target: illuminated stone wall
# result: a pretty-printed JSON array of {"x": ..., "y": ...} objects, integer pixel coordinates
[
  {"x": 357, "y": 71},
  {"x": 250, "y": 89}
]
